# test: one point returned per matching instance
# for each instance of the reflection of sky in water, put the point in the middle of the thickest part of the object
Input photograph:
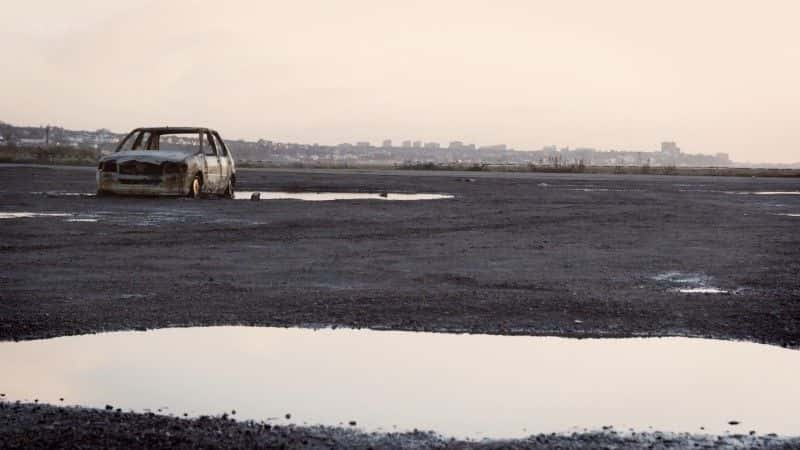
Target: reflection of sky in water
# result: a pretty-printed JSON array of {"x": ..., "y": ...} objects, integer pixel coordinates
[
  {"x": 460, "y": 385},
  {"x": 702, "y": 291},
  {"x": 327, "y": 196},
  {"x": 28, "y": 215}
]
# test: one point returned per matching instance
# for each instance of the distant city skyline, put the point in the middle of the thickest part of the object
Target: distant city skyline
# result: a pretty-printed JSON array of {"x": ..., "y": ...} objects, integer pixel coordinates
[{"x": 716, "y": 76}]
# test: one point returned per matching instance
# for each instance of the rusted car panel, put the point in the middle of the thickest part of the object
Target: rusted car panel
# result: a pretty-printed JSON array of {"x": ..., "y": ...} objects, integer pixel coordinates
[{"x": 143, "y": 164}]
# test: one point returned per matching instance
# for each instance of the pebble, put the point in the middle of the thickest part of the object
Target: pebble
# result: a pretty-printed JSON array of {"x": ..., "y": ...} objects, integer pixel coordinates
[
  {"x": 733, "y": 422},
  {"x": 255, "y": 196},
  {"x": 288, "y": 416},
  {"x": 109, "y": 407},
  {"x": 352, "y": 423}
]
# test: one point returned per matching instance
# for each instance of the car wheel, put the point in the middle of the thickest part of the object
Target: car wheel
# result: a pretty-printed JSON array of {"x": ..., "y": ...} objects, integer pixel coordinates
[
  {"x": 196, "y": 187},
  {"x": 229, "y": 192}
]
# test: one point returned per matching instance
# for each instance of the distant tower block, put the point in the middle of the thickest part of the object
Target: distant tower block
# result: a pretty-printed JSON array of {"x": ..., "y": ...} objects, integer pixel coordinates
[{"x": 670, "y": 148}]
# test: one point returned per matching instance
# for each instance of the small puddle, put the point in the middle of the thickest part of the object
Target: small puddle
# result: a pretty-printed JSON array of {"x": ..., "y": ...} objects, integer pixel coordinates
[
  {"x": 605, "y": 190},
  {"x": 28, "y": 215},
  {"x": 688, "y": 283},
  {"x": 702, "y": 290},
  {"x": 788, "y": 214},
  {"x": 456, "y": 385},
  {"x": 328, "y": 196},
  {"x": 762, "y": 192},
  {"x": 64, "y": 194}
]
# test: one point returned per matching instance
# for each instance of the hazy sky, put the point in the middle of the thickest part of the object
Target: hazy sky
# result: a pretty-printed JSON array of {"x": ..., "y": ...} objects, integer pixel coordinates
[{"x": 714, "y": 75}]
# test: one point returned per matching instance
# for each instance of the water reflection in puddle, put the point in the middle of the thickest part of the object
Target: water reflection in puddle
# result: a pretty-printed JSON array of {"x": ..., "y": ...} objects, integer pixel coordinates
[
  {"x": 457, "y": 385},
  {"x": 788, "y": 214},
  {"x": 28, "y": 215},
  {"x": 328, "y": 196},
  {"x": 64, "y": 194},
  {"x": 762, "y": 192},
  {"x": 688, "y": 283},
  {"x": 702, "y": 290}
]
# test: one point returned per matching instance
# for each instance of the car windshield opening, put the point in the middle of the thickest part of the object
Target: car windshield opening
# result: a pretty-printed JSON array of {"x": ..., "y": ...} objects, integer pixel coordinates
[{"x": 175, "y": 141}]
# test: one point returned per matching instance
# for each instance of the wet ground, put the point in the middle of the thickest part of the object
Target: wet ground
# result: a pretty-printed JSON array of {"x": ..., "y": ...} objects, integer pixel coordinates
[{"x": 529, "y": 254}]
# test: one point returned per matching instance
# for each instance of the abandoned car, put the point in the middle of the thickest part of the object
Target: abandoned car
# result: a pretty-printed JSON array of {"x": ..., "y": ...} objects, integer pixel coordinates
[{"x": 168, "y": 161}]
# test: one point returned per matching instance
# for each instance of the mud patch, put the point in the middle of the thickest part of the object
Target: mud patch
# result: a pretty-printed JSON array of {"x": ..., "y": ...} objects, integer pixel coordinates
[{"x": 457, "y": 385}]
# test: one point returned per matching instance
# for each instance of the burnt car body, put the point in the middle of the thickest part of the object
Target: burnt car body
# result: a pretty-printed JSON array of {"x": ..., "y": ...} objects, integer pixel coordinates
[{"x": 168, "y": 161}]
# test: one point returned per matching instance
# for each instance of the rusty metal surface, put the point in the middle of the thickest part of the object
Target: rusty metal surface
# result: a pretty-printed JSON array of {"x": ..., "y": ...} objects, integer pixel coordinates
[{"x": 152, "y": 172}]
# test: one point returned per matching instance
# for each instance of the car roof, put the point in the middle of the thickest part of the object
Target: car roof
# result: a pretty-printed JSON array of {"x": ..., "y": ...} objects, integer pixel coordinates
[{"x": 176, "y": 129}]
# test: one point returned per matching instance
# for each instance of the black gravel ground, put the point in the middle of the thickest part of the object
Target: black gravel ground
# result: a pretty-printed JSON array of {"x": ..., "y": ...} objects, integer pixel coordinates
[
  {"x": 534, "y": 254},
  {"x": 30, "y": 426}
]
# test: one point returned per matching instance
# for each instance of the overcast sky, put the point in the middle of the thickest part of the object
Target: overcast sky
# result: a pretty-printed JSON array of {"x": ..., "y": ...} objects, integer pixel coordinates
[{"x": 714, "y": 75}]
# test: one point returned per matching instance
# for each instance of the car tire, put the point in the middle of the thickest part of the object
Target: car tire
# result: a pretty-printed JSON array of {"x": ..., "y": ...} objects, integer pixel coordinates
[
  {"x": 196, "y": 187},
  {"x": 229, "y": 191}
]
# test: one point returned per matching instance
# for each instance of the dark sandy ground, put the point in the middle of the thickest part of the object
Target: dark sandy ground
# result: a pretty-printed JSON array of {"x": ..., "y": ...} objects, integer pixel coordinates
[
  {"x": 31, "y": 426},
  {"x": 535, "y": 254}
]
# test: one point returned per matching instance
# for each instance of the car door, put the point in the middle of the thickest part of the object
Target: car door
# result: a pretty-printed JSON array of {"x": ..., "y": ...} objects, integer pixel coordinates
[
  {"x": 225, "y": 163},
  {"x": 212, "y": 175}
]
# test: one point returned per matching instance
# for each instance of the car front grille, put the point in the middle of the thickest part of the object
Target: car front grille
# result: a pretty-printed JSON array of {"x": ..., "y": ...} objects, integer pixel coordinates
[
  {"x": 140, "y": 181},
  {"x": 139, "y": 168}
]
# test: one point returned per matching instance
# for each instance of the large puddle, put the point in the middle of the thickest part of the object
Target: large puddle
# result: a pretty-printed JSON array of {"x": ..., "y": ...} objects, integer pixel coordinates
[
  {"x": 328, "y": 196},
  {"x": 458, "y": 385}
]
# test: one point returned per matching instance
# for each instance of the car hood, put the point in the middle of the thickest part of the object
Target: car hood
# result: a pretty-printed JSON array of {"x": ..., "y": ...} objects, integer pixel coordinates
[{"x": 149, "y": 156}]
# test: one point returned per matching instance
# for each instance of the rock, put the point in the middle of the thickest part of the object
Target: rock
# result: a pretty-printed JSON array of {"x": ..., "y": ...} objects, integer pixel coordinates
[
  {"x": 733, "y": 422},
  {"x": 109, "y": 407},
  {"x": 578, "y": 321},
  {"x": 384, "y": 194},
  {"x": 352, "y": 423},
  {"x": 255, "y": 196},
  {"x": 288, "y": 416}
]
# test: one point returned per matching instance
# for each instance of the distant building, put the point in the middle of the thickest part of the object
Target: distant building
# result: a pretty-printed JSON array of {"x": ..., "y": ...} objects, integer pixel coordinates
[
  {"x": 387, "y": 143},
  {"x": 670, "y": 148},
  {"x": 494, "y": 147},
  {"x": 363, "y": 144},
  {"x": 406, "y": 144},
  {"x": 432, "y": 145},
  {"x": 417, "y": 144},
  {"x": 32, "y": 142},
  {"x": 455, "y": 145}
]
